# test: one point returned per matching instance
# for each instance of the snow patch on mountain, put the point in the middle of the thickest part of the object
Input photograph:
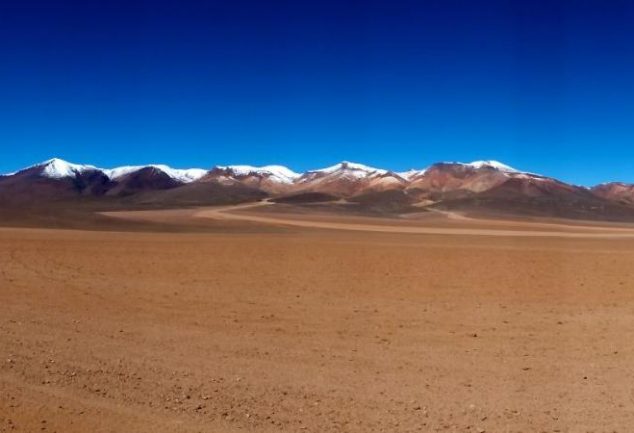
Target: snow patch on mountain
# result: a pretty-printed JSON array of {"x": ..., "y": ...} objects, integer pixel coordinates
[
  {"x": 491, "y": 164},
  {"x": 57, "y": 168},
  {"x": 182, "y": 175},
  {"x": 347, "y": 169},
  {"x": 277, "y": 172},
  {"x": 409, "y": 174}
]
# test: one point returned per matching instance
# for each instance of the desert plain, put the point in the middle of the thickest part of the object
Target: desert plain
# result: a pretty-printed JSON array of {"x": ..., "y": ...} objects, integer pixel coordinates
[{"x": 227, "y": 320}]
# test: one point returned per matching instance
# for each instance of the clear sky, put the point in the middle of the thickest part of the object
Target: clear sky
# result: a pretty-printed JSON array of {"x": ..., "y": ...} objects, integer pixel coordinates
[{"x": 545, "y": 86}]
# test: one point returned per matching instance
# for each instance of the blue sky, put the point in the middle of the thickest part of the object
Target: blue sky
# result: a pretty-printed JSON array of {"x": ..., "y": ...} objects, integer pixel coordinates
[{"x": 544, "y": 86}]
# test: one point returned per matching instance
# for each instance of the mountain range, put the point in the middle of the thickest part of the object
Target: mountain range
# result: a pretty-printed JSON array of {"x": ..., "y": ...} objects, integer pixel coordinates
[{"x": 480, "y": 186}]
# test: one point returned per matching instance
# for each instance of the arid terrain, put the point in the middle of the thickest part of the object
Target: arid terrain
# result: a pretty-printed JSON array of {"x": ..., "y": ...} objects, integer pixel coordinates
[{"x": 265, "y": 320}]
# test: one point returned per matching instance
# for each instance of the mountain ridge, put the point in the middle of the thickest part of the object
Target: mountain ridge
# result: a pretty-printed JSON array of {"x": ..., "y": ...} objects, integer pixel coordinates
[
  {"x": 474, "y": 185},
  {"x": 58, "y": 167}
]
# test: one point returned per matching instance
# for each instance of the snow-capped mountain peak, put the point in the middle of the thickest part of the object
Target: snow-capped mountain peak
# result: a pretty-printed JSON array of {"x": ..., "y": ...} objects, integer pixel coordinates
[
  {"x": 277, "y": 172},
  {"x": 182, "y": 175},
  {"x": 353, "y": 166},
  {"x": 57, "y": 168},
  {"x": 491, "y": 164},
  {"x": 409, "y": 174},
  {"x": 356, "y": 169}
]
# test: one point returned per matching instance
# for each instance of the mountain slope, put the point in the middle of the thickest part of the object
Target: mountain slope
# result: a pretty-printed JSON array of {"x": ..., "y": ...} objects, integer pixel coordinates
[
  {"x": 144, "y": 179},
  {"x": 273, "y": 179},
  {"x": 348, "y": 179},
  {"x": 52, "y": 180},
  {"x": 616, "y": 191},
  {"x": 56, "y": 179},
  {"x": 541, "y": 197},
  {"x": 180, "y": 175}
]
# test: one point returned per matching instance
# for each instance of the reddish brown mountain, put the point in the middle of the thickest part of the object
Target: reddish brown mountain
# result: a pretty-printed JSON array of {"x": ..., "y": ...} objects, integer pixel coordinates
[
  {"x": 618, "y": 192},
  {"x": 142, "y": 180},
  {"x": 348, "y": 179},
  {"x": 47, "y": 182},
  {"x": 454, "y": 180},
  {"x": 271, "y": 179}
]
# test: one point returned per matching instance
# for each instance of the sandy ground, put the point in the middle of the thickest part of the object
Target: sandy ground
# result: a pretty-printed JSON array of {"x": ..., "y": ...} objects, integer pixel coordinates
[{"x": 314, "y": 330}]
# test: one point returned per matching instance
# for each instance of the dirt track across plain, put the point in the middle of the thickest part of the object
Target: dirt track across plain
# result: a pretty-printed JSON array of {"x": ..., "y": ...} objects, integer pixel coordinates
[
  {"x": 314, "y": 331},
  {"x": 228, "y": 213},
  {"x": 457, "y": 225}
]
